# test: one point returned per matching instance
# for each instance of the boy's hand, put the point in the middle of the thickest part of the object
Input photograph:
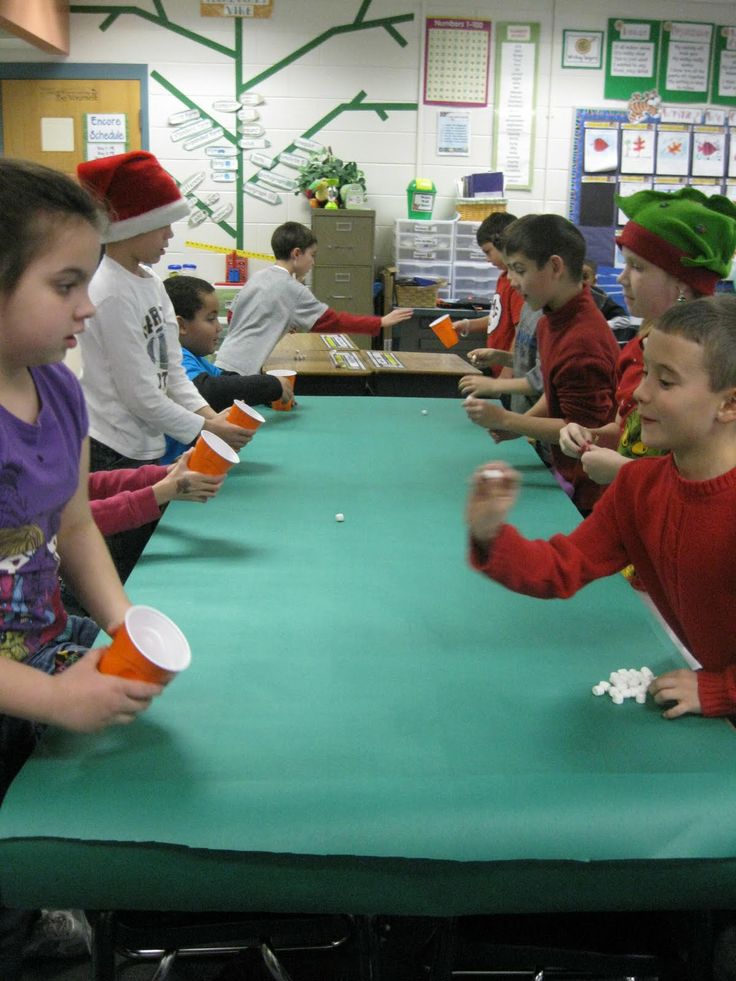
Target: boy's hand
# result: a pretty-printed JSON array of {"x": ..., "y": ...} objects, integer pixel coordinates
[
  {"x": 234, "y": 436},
  {"x": 487, "y": 415},
  {"x": 575, "y": 439},
  {"x": 86, "y": 700},
  {"x": 287, "y": 391},
  {"x": 493, "y": 490},
  {"x": 396, "y": 316},
  {"x": 488, "y": 356},
  {"x": 602, "y": 465},
  {"x": 183, "y": 484},
  {"x": 478, "y": 385},
  {"x": 502, "y": 435},
  {"x": 679, "y": 686}
]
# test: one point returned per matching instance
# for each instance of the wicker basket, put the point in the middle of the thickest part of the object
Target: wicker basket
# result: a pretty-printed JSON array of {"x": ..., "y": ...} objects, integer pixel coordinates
[
  {"x": 411, "y": 295},
  {"x": 476, "y": 209}
]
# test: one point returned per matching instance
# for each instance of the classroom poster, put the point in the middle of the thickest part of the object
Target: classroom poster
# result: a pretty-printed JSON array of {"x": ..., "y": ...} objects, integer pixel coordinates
[
  {"x": 456, "y": 61},
  {"x": 709, "y": 151},
  {"x": 631, "y": 57},
  {"x": 724, "y": 67},
  {"x": 517, "y": 52},
  {"x": 673, "y": 150},
  {"x": 637, "y": 149},
  {"x": 453, "y": 133},
  {"x": 601, "y": 149},
  {"x": 684, "y": 65}
]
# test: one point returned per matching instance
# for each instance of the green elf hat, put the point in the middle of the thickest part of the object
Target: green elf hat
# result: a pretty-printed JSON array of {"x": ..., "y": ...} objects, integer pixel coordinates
[{"x": 688, "y": 234}]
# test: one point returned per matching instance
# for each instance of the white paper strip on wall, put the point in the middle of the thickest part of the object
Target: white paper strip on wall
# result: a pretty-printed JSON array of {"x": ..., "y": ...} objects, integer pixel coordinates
[
  {"x": 262, "y": 160},
  {"x": 212, "y": 198},
  {"x": 225, "y": 105},
  {"x": 277, "y": 180},
  {"x": 184, "y": 132},
  {"x": 197, "y": 217},
  {"x": 263, "y": 193},
  {"x": 251, "y": 129},
  {"x": 248, "y": 115},
  {"x": 187, "y": 116},
  {"x": 187, "y": 186},
  {"x": 223, "y": 163},
  {"x": 253, "y": 143},
  {"x": 218, "y": 151},
  {"x": 295, "y": 160},
  {"x": 222, "y": 213},
  {"x": 224, "y": 176},
  {"x": 305, "y": 144},
  {"x": 202, "y": 140},
  {"x": 250, "y": 99}
]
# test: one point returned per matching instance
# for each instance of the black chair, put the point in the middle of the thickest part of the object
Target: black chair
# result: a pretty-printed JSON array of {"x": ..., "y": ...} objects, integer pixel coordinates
[
  {"x": 261, "y": 938},
  {"x": 575, "y": 947}
]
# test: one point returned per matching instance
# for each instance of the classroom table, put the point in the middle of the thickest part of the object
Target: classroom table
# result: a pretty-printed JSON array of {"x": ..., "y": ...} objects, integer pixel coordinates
[
  {"x": 420, "y": 374},
  {"x": 368, "y": 725}
]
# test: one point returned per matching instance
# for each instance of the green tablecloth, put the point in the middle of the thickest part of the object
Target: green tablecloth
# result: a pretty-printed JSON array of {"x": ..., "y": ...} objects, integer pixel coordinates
[{"x": 369, "y": 725}]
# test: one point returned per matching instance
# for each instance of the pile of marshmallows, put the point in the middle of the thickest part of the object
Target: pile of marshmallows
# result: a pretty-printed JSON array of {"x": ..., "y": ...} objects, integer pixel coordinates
[{"x": 626, "y": 683}]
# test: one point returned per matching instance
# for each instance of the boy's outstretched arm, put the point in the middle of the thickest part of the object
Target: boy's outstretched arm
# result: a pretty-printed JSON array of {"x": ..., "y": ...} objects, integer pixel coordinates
[{"x": 493, "y": 490}]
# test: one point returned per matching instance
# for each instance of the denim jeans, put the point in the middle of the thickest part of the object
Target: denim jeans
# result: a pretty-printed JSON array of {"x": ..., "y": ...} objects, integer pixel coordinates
[{"x": 18, "y": 738}]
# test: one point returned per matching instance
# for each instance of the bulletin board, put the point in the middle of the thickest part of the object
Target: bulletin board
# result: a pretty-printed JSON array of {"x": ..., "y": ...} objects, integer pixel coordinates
[{"x": 613, "y": 156}]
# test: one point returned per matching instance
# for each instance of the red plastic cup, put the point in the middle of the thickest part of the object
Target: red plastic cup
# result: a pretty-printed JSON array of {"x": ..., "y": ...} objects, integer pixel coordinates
[
  {"x": 147, "y": 646},
  {"x": 212, "y": 455},
  {"x": 243, "y": 415}
]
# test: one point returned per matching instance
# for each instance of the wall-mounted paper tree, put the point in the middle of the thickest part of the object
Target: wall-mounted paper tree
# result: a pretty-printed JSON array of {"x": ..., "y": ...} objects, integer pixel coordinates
[{"x": 236, "y": 53}]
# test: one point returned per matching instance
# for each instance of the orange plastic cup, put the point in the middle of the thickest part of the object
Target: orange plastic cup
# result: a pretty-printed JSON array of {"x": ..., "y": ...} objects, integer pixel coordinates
[
  {"x": 290, "y": 376},
  {"x": 444, "y": 329},
  {"x": 212, "y": 455},
  {"x": 148, "y": 646},
  {"x": 243, "y": 415}
]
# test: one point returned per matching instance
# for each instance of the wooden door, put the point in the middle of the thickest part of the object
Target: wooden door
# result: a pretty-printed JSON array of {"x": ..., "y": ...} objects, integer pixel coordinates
[{"x": 64, "y": 103}]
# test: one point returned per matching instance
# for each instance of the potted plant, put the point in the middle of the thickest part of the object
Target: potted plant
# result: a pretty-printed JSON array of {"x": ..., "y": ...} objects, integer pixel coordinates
[{"x": 327, "y": 181}]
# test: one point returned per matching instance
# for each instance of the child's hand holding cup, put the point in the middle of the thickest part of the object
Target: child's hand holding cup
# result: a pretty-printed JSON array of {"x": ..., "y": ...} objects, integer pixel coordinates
[
  {"x": 147, "y": 646},
  {"x": 287, "y": 377},
  {"x": 212, "y": 455},
  {"x": 244, "y": 415}
]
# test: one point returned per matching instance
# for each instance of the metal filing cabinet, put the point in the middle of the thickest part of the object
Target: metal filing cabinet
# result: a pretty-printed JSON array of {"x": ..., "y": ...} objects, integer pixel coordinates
[{"x": 343, "y": 271}]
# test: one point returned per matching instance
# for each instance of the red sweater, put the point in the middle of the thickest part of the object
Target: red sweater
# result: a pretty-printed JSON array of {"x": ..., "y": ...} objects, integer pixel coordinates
[
  {"x": 339, "y": 322},
  {"x": 503, "y": 316},
  {"x": 578, "y": 354},
  {"x": 629, "y": 373},
  {"x": 681, "y": 537},
  {"x": 124, "y": 499}
]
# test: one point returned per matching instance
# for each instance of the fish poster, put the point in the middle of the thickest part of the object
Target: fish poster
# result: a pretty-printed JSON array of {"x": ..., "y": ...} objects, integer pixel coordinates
[
  {"x": 637, "y": 150},
  {"x": 601, "y": 150},
  {"x": 709, "y": 153},
  {"x": 673, "y": 152}
]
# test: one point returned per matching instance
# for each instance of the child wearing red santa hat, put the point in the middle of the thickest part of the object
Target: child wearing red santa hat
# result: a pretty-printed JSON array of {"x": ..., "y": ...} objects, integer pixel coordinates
[{"x": 133, "y": 380}]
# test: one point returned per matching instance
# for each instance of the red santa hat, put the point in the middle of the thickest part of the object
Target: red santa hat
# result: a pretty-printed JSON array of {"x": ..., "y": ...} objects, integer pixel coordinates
[{"x": 140, "y": 196}]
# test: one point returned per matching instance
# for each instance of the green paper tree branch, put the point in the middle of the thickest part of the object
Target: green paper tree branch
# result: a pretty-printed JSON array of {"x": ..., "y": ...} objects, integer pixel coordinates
[{"x": 358, "y": 104}]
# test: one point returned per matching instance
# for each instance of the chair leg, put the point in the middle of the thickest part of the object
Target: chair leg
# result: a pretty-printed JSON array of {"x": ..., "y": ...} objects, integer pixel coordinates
[
  {"x": 164, "y": 965},
  {"x": 103, "y": 947}
]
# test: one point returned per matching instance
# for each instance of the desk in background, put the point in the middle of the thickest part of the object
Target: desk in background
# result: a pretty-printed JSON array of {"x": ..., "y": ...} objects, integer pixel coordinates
[
  {"x": 420, "y": 374},
  {"x": 368, "y": 725}
]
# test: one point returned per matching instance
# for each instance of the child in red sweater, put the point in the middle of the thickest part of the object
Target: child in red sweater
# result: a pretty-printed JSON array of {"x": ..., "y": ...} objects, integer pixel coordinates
[
  {"x": 500, "y": 324},
  {"x": 671, "y": 516},
  {"x": 577, "y": 350}
]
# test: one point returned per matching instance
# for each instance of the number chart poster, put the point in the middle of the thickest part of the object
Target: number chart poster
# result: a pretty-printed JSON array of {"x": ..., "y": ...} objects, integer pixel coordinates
[{"x": 456, "y": 61}]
